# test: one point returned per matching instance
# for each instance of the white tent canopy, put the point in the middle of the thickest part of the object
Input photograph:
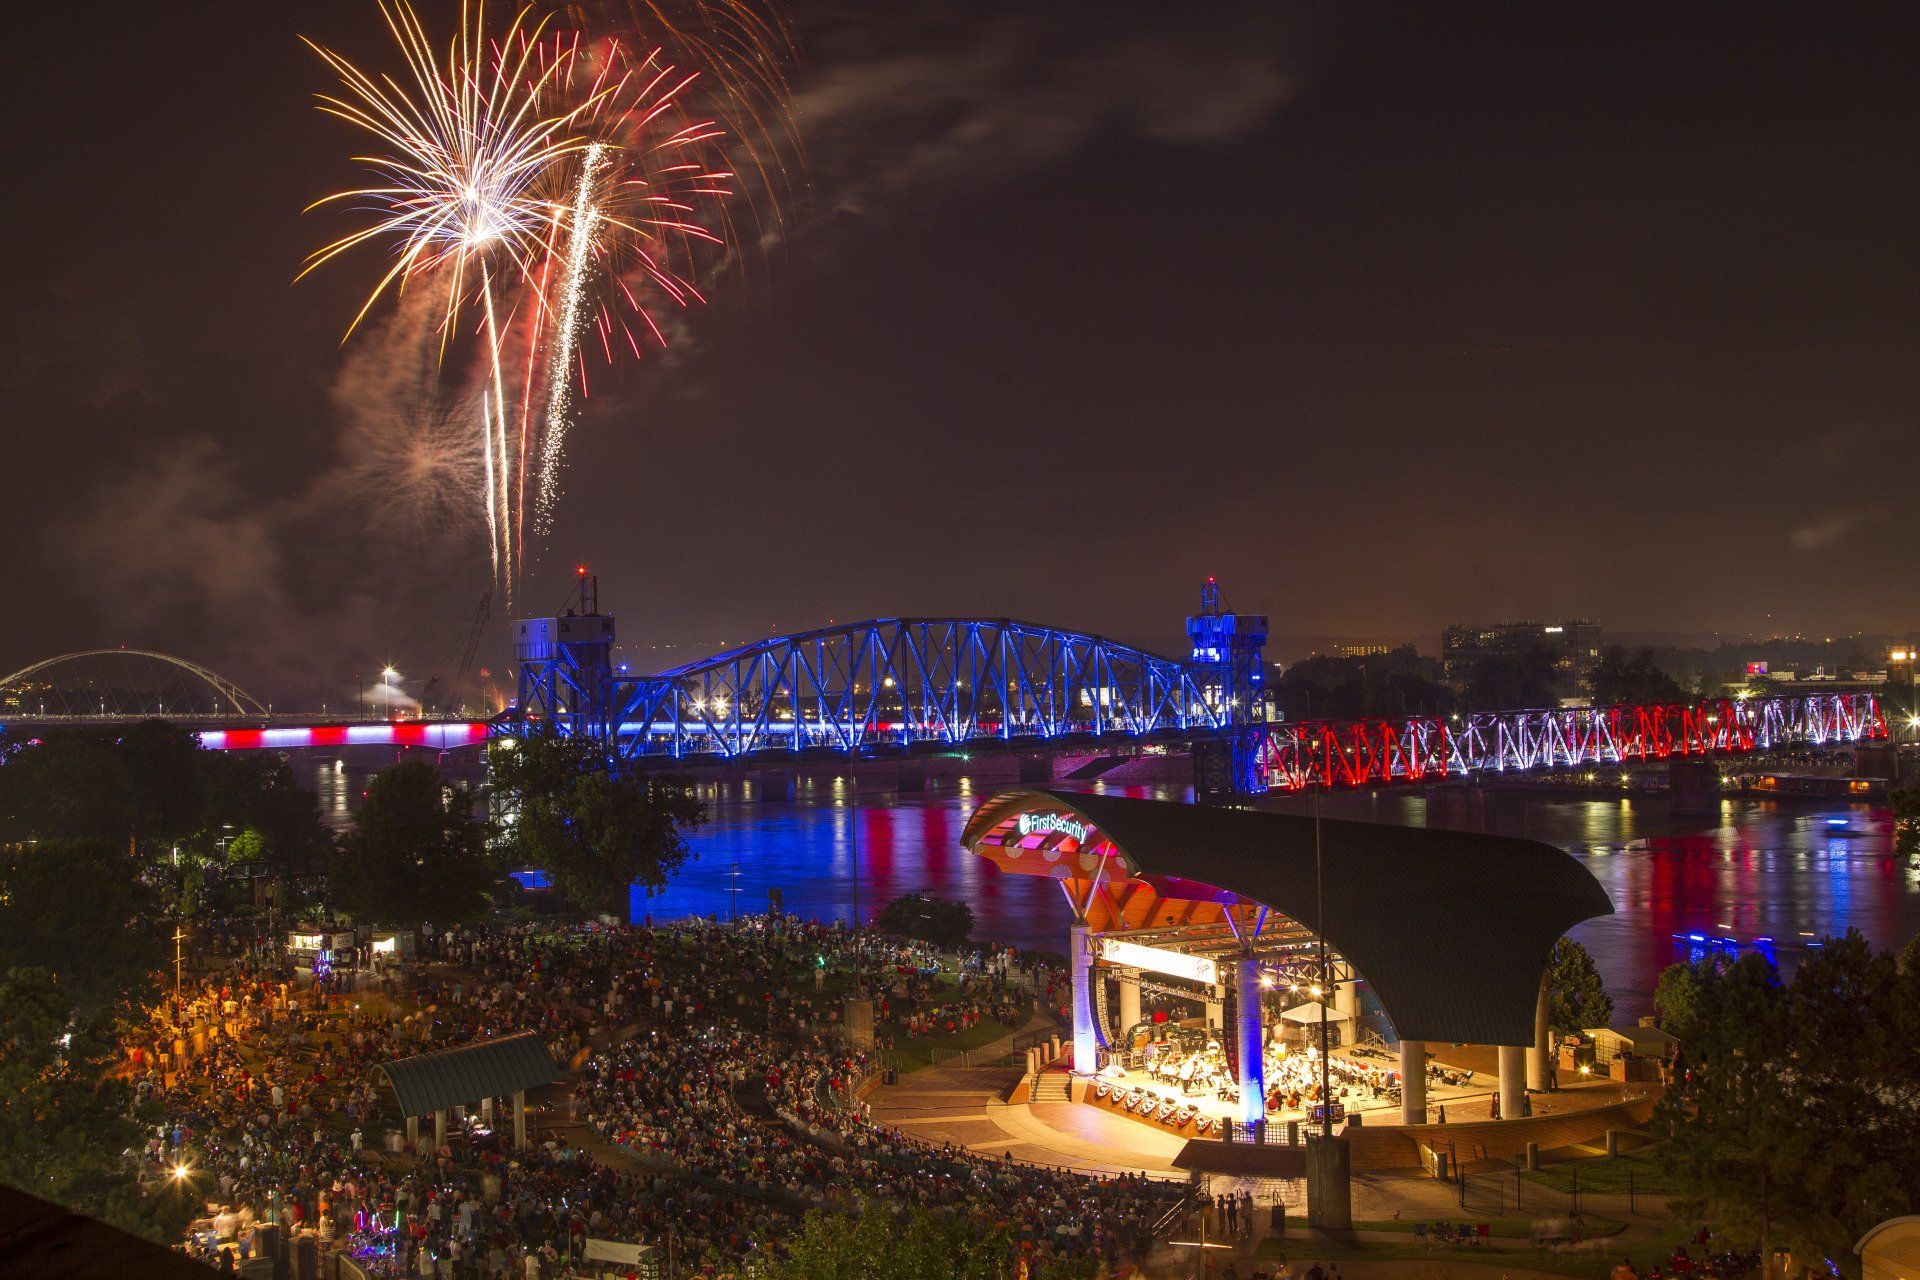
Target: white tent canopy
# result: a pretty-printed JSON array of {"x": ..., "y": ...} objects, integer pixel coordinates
[{"x": 1310, "y": 1013}]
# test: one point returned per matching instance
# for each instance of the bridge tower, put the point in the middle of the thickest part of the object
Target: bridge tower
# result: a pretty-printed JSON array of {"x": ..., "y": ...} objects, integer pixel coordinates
[
  {"x": 1228, "y": 663},
  {"x": 1229, "y": 654},
  {"x": 566, "y": 667}
]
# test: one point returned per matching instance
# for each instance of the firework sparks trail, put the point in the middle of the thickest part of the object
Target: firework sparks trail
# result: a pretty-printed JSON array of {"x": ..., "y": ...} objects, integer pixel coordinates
[
  {"x": 546, "y": 183},
  {"x": 560, "y": 366}
]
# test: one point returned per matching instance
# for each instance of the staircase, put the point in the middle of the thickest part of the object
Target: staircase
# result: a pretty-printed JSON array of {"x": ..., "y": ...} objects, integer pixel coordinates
[
  {"x": 1052, "y": 1086},
  {"x": 1398, "y": 1146}
]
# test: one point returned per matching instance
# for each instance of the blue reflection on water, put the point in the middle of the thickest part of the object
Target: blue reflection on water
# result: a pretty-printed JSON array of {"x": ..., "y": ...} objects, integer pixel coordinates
[{"x": 1759, "y": 871}]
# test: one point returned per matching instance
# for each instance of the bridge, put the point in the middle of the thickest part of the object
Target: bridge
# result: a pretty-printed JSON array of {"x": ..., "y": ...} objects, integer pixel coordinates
[
  {"x": 914, "y": 687},
  {"x": 95, "y": 686},
  {"x": 1299, "y": 755},
  {"x": 906, "y": 686}
]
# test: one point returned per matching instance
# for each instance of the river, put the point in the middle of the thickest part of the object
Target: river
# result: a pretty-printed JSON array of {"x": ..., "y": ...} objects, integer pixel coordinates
[{"x": 1791, "y": 873}]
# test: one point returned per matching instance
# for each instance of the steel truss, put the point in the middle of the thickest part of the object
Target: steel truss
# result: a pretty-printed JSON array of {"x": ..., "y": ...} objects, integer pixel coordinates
[
  {"x": 1361, "y": 753},
  {"x": 893, "y": 683}
]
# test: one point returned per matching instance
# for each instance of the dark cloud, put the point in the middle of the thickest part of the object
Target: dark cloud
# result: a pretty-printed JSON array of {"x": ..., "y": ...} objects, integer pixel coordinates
[{"x": 942, "y": 97}]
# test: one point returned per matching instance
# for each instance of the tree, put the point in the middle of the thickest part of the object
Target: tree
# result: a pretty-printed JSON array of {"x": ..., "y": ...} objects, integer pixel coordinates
[
  {"x": 1619, "y": 679},
  {"x": 416, "y": 852},
  {"x": 81, "y": 910},
  {"x": 1513, "y": 682},
  {"x": 152, "y": 790},
  {"x": 1400, "y": 683},
  {"x": 1676, "y": 997},
  {"x": 1906, "y": 821},
  {"x": 64, "y": 1119},
  {"x": 915, "y": 1245},
  {"x": 1795, "y": 1120},
  {"x": 597, "y": 827},
  {"x": 1576, "y": 998},
  {"x": 166, "y": 770},
  {"x": 66, "y": 785},
  {"x": 255, "y": 794},
  {"x": 247, "y": 849},
  {"x": 942, "y": 922}
]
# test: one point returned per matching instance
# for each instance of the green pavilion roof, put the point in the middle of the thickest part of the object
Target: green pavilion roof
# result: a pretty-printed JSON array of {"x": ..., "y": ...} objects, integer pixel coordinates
[{"x": 461, "y": 1077}]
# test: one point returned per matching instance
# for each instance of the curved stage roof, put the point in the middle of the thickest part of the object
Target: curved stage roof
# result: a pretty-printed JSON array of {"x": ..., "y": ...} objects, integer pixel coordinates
[{"x": 1452, "y": 930}]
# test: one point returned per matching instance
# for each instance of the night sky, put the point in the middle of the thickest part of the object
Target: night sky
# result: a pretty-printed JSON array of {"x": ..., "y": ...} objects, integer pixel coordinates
[{"x": 1389, "y": 315}]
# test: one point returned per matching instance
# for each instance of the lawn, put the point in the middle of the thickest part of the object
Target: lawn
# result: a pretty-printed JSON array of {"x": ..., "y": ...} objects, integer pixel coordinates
[
  {"x": 914, "y": 1052},
  {"x": 1608, "y": 1175}
]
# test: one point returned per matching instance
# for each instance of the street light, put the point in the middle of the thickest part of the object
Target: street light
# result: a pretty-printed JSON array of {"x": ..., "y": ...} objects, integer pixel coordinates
[{"x": 1911, "y": 656}]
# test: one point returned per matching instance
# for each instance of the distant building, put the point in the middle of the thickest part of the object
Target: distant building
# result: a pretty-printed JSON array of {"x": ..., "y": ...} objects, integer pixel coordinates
[
  {"x": 1575, "y": 647},
  {"x": 1361, "y": 650}
]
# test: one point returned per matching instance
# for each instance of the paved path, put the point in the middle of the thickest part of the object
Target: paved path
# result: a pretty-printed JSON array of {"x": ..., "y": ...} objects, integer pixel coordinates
[{"x": 962, "y": 1105}]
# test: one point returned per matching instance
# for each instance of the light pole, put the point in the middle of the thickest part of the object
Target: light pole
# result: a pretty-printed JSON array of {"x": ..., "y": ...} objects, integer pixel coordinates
[
  {"x": 179, "y": 936},
  {"x": 1326, "y": 987},
  {"x": 853, "y": 846}
]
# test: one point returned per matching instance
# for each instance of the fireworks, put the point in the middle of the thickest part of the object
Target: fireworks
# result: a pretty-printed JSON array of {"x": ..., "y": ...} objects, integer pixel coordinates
[{"x": 558, "y": 195}]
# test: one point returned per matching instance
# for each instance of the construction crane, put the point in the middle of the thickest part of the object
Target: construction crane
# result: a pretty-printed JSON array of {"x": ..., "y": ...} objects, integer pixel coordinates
[{"x": 475, "y": 629}]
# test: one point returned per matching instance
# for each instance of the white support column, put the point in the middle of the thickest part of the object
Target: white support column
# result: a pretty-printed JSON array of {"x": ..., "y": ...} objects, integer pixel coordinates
[
  {"x": 486, "y": 1111},
  {"x": 1513, "y": 1080},
  {"x": 1539, "y": 1055},
  {"x": 1413, "y": 1082},
  {"x": 440, "y": 1128},
  {"x": 520, "y": 1120},
  {"x": 413, "y": 1132},
  {"x": 1252, "y": 1040},
  {"x": 1346, "y": 999},
  {"x": 1129, "y": 1000},
  {"x": 1085, "y": 1036}
]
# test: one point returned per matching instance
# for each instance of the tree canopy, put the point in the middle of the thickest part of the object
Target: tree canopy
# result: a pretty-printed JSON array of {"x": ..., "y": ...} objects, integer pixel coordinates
[
  {"x": 1576, "y": 998},
  {"x": 1400, "y": 683},
  {"x": 916, "y": 1245},
  {"x": 253, "y": 794},
  {"x": 1905, "y": 802},
  {"x": 598, "y": 828},
  {"x": 1795, "y": 1119},
  {"x": 417, "y": 852},
  {"x": 82, "y": 909},
  {"x": 942, "y": 922},
  {"x": 154, "y": 792},
  {"x": 64, "y": 1119},
  {"x": 1622, "y": 679}
]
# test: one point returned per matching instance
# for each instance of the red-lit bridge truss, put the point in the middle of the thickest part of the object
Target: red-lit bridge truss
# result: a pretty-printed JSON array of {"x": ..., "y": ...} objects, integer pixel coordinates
[{"x": 1294, "y": 755}]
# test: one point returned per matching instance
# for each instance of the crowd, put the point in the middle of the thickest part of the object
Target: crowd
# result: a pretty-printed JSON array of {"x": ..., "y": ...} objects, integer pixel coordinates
[
  {"x": 707, "y": 1055},
  {"x": 781, "y": 1116}
]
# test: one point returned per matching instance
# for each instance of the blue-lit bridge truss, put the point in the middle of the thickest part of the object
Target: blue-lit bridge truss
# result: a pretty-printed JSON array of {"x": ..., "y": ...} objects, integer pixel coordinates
[{"x": 896, "y": 683}]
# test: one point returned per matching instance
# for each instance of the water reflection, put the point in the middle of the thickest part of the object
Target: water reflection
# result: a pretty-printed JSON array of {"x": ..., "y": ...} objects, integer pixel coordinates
[{"x": 1790, "y": 874}]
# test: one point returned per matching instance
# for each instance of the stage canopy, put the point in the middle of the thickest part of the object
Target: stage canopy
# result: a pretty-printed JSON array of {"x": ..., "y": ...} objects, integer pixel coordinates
[{"x": 1451, "y": 930}]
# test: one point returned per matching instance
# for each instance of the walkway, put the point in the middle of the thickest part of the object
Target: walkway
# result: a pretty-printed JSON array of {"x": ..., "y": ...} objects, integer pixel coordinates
[{"x": 962, "y": 1105}]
